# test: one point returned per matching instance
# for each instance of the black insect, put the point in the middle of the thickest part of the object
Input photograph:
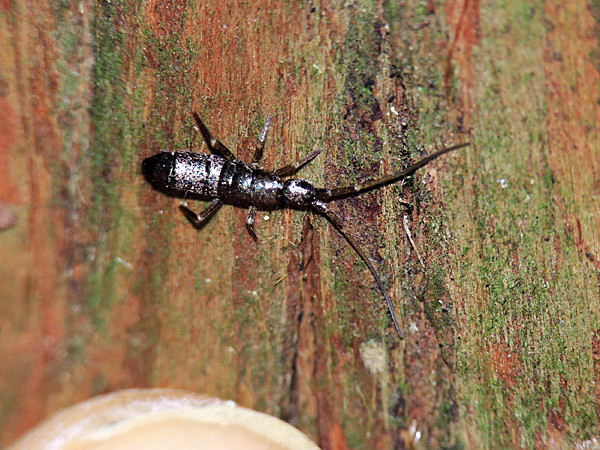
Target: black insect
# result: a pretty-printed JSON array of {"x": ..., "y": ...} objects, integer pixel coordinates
[{"x": 223, "y": 178}]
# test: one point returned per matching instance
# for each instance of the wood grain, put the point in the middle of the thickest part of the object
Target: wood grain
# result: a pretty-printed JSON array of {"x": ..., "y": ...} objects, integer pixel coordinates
[{"x": 106, "y": 286}]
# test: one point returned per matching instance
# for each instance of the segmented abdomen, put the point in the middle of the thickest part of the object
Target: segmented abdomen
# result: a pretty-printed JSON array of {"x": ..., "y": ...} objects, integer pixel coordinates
[
  {"x": 196, "y": 173},
  {"x": 231, "y": 181}
]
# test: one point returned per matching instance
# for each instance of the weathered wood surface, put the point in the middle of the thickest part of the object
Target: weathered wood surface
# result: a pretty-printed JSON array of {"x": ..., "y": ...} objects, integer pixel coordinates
[{"x": 105, "y": 286}]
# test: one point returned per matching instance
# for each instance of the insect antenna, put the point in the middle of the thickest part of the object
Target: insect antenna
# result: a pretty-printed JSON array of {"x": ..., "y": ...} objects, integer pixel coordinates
[
  {"x": 335, "y": 220},
  {"x": 327, "y": 195}
]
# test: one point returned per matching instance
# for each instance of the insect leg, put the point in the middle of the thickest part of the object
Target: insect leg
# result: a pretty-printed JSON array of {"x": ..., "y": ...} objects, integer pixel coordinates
[
  {"x": 199, "y": 220},
  {"x": 291, "y": 169},
  {"x": 214, "y": 145},
  {"x": 250, "y": 218},
  {"x": 258, "y": 154},
  {"x": 322, "y": 209}
]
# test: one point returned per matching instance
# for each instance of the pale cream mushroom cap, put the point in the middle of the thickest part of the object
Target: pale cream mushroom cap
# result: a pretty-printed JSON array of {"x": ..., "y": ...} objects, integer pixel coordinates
[{"x": 161, "y": 419}]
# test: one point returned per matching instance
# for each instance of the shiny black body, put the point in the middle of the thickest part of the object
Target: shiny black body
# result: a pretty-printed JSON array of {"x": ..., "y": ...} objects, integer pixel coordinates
[
  {"x": 222, "y": 178},
  {"x": 233, "y": 182}
]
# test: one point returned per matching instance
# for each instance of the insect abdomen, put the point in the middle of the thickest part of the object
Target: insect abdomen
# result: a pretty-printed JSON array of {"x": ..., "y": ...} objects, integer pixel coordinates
[
  {"x": 197, "y": 173},
  {"x": 212, "y": 176},
  {"x": 189, "y": 172}
]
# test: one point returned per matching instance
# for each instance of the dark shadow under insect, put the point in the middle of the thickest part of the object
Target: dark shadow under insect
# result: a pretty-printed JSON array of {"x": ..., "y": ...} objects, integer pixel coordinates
[{"x": 222, "y": 178}]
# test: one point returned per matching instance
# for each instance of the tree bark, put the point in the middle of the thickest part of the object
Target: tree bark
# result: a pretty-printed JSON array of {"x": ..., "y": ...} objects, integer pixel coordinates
[{"x": 106, "y": 286}]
